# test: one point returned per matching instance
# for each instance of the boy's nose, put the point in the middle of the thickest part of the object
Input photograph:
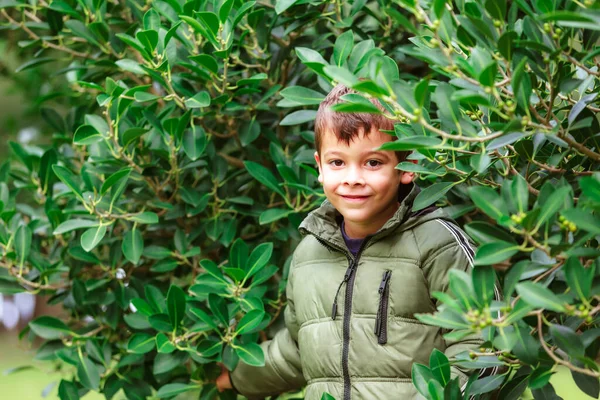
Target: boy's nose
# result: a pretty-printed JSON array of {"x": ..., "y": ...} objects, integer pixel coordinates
[{"x": 354, "y": 176}]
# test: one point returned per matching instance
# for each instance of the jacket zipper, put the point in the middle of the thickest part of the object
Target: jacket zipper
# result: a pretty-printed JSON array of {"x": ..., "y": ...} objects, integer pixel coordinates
[
  {"x": 349, "y": 281},
  {"x": 381, "y": 320}
]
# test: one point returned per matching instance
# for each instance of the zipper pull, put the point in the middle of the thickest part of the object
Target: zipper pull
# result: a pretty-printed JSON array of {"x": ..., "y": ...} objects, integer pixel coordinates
[
  {"x": 346, "y": 278},
  {"x": 384, "y": 281}
]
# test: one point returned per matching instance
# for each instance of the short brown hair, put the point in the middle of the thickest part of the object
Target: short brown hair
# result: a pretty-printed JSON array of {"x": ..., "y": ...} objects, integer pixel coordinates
[{"x": 346, "y": 125}]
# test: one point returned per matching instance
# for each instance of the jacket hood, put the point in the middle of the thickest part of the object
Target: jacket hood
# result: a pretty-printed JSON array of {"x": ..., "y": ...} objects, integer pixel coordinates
[{"x": 324, "y": 222}]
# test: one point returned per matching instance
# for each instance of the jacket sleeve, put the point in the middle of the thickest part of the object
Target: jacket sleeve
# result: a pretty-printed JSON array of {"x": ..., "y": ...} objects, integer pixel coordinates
[
  {"x": 282, "y": 371},
  {"x": 436, "y": 268}
]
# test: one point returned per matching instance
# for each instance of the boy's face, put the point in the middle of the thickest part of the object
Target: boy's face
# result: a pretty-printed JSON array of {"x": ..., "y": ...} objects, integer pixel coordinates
[{"x": 361, "y": 182}]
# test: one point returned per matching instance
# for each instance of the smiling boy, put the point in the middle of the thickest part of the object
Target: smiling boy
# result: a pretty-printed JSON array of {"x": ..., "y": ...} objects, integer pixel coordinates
[{"x": 367, "y": 264}]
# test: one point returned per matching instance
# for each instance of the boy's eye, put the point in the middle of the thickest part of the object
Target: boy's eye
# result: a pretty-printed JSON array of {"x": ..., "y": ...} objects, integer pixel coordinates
[
  {"x": 336, "y": 163},
  {"x": 374, "y": 163}
]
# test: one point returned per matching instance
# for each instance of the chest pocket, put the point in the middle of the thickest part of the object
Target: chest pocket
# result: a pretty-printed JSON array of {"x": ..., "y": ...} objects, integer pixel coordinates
[{"x": 402, "y": 292}]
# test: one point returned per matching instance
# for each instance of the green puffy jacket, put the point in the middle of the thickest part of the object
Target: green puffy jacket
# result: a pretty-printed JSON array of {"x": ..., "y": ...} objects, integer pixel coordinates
[{"x": 350, "y": 325}]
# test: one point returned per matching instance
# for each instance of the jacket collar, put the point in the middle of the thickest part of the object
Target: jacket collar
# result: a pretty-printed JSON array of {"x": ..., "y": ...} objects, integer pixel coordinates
[{"x": 324, "y": 222}]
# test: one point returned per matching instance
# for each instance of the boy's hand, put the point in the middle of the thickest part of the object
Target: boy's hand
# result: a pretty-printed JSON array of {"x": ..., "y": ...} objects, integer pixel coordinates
[{"x": 223, "y": 381}]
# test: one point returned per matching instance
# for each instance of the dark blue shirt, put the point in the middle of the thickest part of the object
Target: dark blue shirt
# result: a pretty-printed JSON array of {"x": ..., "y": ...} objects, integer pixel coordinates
[{"x": 352, "y": 244}]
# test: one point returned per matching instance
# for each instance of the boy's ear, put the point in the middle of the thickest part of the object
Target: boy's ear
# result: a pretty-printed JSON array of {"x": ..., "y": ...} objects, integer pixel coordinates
[
  {"x": 407, "y": 177},
  {"x": 318, "y": 160}
]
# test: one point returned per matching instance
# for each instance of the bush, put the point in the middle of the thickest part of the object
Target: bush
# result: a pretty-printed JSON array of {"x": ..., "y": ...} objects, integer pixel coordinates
[{"x": 163, "y": 214}]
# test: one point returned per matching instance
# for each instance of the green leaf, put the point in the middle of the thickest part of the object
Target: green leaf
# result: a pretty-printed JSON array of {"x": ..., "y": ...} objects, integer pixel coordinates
[
  {"x": 88, "y": 373},
  {"x": 200, "y": 100},
  {"x": 521, "y": 83},
  {"x": 484, "y": 280},
  {"x": 10, "y": 286},
  {"x": 86, "y": 135},
  {"x": 148, "y": 39},
  {"x": 23, "y": 238},
  {"x": 249, "y": 321},
  {"x": 204, "y": 317},
  {"x": 49, "y": 328},
  {"x": 539, "y": 296},
  {"x": 483, "y": 232},
  {"x": 133, "y": 246},
  {"x": 421, "y": 376},
  {"x": 495, "y": 252},
  {"x": 298, "y": 117},
  {"x": 311, "y": 59},
  {"x": 68, "y": 178},
  {"x": 264, "y": 176},
  {"x": 412, "y": 143},
  {"x": 143, "y": 97},
  {"x": 79, "y": 29},
  {"x": 117, "y": 180},
  {"x": 487, "y": 384},
  {"x": 173, "y": 389},
  {"x": 225, "y": 10},
  {"x": 92, "y": 237},
  {"x": 73, "y": 224},
  {"x": 302, "y": 96},
  {"x": 590, "y": 187},
  {"x": 167, "y": 362},
  {"x": 238, "y": 255},
  {"x": 140, "y": 343},
  {"x": 132, "y": 134},
  {"x": 36, "y": 62},
  {"x": 146, "y": 217},
  {"x": 259, "y": 258},
  {"x": 567, "y": 340},
  {"x": 208, "y": 347},
  {"x": 553, "y": 204},
  {"x": 496, "y": 8},
  {"x": 219, "y": 308},
  {"x": 67, "y": 390},
  {"x": 445, "y": 319},
  {"x": 432, "y": 194},
  {"x": 343, "y": 47},
  {"x": 282, "y": 5},
  {"x": 175, "y": 305},
  {"x": 194, "y": 142},
  {"x": 579, "y": 278},
  {"x": 201, "y": 27},
  {"x": 440, "y": 366},
  {"x": 163, "y": 344},
  {"x": 45, "y": 173},
  {"x": 272, "y": 215},
  {"x": 486, "y": 199},
  {"x": 251, "y": 354},
  {"x": 435, "y": 390},
  {"x": 520, "y": 193},
  {"x": 207, "y": 61}
]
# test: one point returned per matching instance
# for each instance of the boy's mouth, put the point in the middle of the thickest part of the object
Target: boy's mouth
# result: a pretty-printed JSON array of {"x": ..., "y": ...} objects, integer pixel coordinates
[{"x": 354, "y": 198}]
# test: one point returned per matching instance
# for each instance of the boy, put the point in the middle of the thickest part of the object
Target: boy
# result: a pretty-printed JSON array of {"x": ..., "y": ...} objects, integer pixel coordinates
[{"x": 366, "y": 265}]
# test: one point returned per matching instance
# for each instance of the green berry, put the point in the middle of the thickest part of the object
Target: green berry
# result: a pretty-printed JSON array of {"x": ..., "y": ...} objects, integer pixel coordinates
[
  {"x": 547, "y": 27},
  {"x": 572, "y": 227}
]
